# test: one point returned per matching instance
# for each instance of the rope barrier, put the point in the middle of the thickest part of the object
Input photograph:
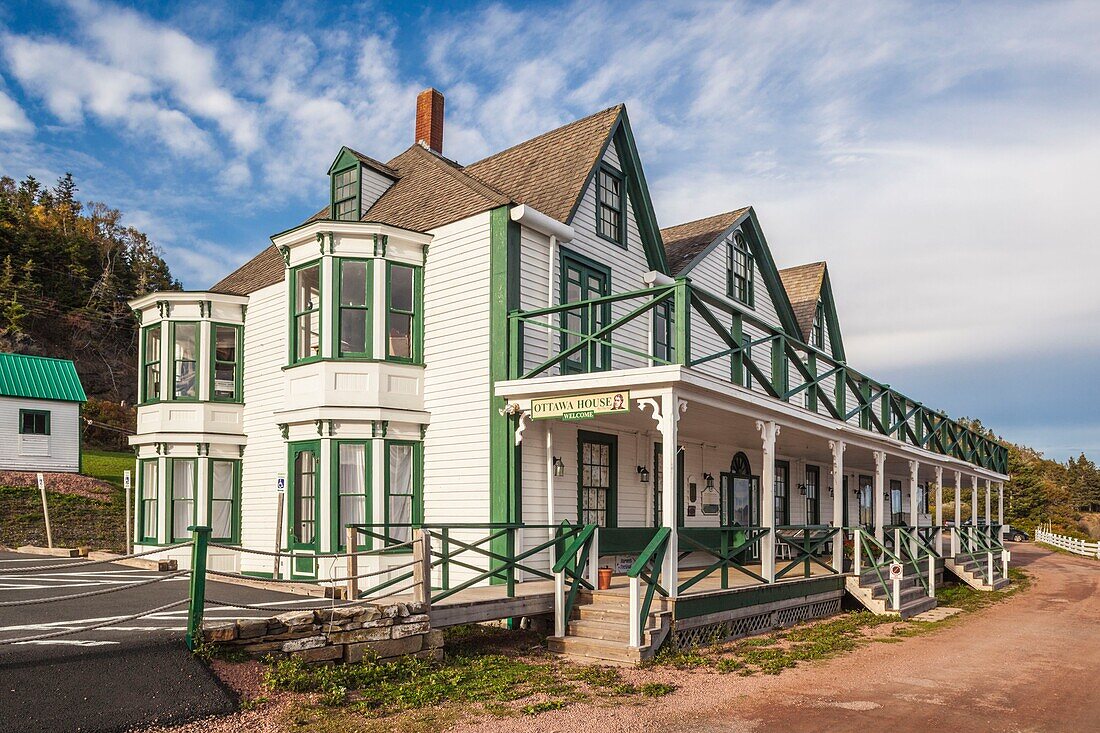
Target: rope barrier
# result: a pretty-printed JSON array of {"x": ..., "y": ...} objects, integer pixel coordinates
[
  {"x": 89, "y": 594},
  {"x": 93, "y": 627},
  {"x": 280, "y": 610},
  {"x": 89, "y": 563},
  {"x": 319, "y": 556}
]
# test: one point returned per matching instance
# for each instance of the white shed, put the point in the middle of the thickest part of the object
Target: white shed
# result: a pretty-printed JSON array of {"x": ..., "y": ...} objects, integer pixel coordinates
[{"x": 40, "y": 401}]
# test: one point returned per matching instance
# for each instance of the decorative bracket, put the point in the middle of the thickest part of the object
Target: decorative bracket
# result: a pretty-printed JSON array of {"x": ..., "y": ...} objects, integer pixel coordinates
[
  {"x": 137, "y": 316},
  {"x": 285, "y": 251},
  {"x": 914, "y": 466},
  {"x": 512, "y": 409},
  {"x": 321, "y": 238},
  {"x": 380, "y": 242},
  {"x": 764, "y": 426},
  {"x": 284, "y": 430},
  {"x": 656, "y": 414}
]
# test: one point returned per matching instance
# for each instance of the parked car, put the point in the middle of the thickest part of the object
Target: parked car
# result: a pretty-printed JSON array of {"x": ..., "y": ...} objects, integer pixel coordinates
[{"x": 1012, "y": 534}]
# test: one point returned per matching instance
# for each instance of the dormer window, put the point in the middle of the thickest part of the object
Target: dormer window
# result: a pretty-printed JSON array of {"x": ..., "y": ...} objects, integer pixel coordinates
[
  {"x": 345, "y": 194},
  {"x": 817, "y": 335},
  {"x": 610, "y": 205},
  {"x": 739, "y": 271}
]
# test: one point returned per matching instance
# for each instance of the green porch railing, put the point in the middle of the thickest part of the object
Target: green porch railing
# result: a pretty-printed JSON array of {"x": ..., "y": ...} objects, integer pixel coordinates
[
  {"x": 454, "y": 549},
  {"x": 732, "y": 547},
  {"x": 768, "y": 359},
  {"x": 912, "y": 550},
  {"x": 805, "y": 543},
  {"x": 646, "y": 567},
  {"x": 870, "y": 553},
  {"x": 567, "y": 571}
]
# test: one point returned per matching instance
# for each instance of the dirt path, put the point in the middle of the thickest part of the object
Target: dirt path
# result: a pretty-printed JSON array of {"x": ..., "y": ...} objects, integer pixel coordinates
[{"x": 1029, "y": 664}]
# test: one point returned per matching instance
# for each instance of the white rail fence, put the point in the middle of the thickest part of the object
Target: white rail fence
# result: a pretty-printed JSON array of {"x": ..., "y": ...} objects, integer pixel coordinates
[{"x": 1069, "y": 544}]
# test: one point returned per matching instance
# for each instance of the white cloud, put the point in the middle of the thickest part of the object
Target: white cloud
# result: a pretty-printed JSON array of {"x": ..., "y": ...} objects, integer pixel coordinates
[{"x": 12, "y": 117}]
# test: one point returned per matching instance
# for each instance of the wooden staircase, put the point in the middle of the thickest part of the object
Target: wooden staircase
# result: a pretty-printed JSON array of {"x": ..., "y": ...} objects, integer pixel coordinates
[
  {"x": 598, "y": 630},
  {"x": 914, "y": 599},
  {"x": 971, "y": 569}
]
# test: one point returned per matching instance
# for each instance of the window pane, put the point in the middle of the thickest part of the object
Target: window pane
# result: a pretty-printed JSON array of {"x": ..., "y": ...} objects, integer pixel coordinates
[
  {"x": 400, "y": 488},
  {"x": 149, "y": 480},
  {"x": 401, "y": 288},
  {"x": 222, "y": 481},
  {"x": 353, "y": 510},
  {"x": 400, "y": 468},
  {"x": 152, "y": 345},
  {"x": 353, "y": 331},
  {"x": 400, "y": 518},
  {"x": 309, "y": 337},
  {"x": 353, "y": 458},
  {"x": 308, "y": 296},
  {"x": 221, "y": 520},
  {"x": 183, "y": 480},
  {"x": 353, "y": 283},
  {"x": 400, "y": 335},
  {"x": 185, "y": 351}
]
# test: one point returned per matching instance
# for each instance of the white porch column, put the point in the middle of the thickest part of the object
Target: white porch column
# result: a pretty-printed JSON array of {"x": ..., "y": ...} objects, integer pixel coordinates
[
  {"x": 838, "y": 446},
  {"x": 974, "y": 499},
  {"x": 550, "y": 511},
  {"x": 1001, "y": 507},
  {"x": 914, "y": 467},
  {"x": 768, "y": 432},
  {"x": 988, "y": 502},
  {"x": 880, "y": 489},
  {"x": 958, "y": 515},
  {"x": 939, "y": 509},
  {"x": 667, "y": 423}
]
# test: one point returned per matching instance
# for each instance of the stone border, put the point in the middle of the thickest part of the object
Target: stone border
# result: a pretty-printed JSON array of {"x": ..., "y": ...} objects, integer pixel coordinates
[{"x": 329, "y": 635}]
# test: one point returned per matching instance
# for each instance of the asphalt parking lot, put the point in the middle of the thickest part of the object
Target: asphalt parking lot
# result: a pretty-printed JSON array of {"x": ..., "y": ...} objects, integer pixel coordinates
[{"x": 135, "y": 672}]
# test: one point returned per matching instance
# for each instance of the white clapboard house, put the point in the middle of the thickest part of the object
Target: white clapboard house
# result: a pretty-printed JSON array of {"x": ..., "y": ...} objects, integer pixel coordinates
[
  {"x": 40, "y": 400},
  {"x": 514, "y": 346}
]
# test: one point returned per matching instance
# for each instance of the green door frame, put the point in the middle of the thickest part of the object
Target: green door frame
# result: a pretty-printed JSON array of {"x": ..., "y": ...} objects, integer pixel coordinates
[
  {"x": 612, "y": 441},
  {"x": 293, "y": 544}
]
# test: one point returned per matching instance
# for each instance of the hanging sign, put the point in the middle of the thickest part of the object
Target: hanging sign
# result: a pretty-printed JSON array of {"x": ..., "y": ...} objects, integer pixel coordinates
[{"x": 580, "y": 407}]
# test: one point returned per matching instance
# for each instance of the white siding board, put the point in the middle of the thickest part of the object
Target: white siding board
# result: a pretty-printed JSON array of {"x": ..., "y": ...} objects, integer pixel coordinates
[{"x": 59, "y": 451}]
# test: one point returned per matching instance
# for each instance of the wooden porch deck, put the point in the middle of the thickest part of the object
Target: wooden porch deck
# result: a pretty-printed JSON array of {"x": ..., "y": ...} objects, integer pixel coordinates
[{"x": 536, "y": 597}]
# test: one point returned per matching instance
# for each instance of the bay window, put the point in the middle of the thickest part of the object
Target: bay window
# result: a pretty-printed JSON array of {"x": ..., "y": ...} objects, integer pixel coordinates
[{"x": 147, "y": 501}]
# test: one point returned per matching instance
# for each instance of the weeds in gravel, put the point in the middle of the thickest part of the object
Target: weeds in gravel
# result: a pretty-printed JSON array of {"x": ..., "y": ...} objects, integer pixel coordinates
[{"x": 480, "y": 670}]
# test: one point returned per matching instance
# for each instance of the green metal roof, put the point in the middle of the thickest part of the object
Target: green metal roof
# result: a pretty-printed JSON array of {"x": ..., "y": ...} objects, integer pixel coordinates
[{"x": 39, "y": 377}]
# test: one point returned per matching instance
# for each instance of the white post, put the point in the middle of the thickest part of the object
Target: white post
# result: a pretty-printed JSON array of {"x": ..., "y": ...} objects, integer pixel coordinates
[
  {"x": 635, "y": 611},
  {"x": 351, "y": 540},
  {"x": 958, "y": 515},
  {"x": 1001, "y": 507},
  {"x": 880, "y": 490},
  {"x": 422, "y": 569},
  {"x": 838, "y": 446},
  {"x": 768, "y": 432},
  {"x": 914, "y": 518},
  {"x": 128, "y": 484},
  {"x": 988, "y": 502},
  {"x": 931, "y": 576},
  {"x": 857, "y": 565},
  {"x": 45, "y": 510},
  {"x": 939, "y": 509},
  {"x": 559, "y": 604},
  {"x": 594, "y": 559},
  {"x": 278, "y": 534},
  {"x": 550, "y": 515},
  {"x": 974, "y": 500},
  {"x": 671, "y": 406}
]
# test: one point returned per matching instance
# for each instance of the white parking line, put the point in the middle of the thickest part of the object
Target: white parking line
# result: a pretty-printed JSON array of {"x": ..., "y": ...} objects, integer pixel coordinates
[{"x": 68, "y": 642}]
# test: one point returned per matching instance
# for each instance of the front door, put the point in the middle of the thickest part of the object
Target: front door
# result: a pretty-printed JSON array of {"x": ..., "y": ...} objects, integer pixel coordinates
[
  {"x": 304, "y": 508},
  {"x": 583, "y": 280},
  {"x": 596, "y": 478}
]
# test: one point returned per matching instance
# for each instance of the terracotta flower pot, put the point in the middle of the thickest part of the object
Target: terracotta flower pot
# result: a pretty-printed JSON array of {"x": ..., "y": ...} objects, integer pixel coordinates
[{"x": 605, "y": 578}]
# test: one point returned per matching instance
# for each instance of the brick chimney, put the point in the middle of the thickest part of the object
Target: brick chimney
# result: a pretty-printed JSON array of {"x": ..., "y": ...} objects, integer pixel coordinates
[{"x": 429, "y": 119}]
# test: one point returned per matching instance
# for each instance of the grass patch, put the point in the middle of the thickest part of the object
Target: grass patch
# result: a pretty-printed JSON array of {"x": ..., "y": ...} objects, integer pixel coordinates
[
  {"x": 488, "y": 671},
  {"x": 75, "y": 520},
  {"x": 106, "y": 465},
  {"x": 774, "y": 652}
]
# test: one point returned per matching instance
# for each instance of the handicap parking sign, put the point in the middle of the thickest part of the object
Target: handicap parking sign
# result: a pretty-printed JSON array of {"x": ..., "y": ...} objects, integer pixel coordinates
[{"x": 280, "y": 484}]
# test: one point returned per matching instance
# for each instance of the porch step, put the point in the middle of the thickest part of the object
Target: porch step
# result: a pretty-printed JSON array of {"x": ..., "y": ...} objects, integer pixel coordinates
[
  {"x": 608, "y": 630},
  {"x": 913, "y": 599},
  {"x": 598, "y": 650},
  {"x": 970, "y": 569}
]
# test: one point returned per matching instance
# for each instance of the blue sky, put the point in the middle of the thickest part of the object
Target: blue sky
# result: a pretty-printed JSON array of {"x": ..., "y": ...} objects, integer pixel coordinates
[{"x": 944, "y": 158}]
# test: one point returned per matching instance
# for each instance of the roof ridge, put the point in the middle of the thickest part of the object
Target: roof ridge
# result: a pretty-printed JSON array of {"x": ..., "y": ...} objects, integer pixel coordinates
[
  {"x": 738, "y": 211},
  {"x": 459, "y": 173},
  {"x": 374, "y": 162},
  {"x": 806, "y": 264},
  {"x": 619, "y": 107}
]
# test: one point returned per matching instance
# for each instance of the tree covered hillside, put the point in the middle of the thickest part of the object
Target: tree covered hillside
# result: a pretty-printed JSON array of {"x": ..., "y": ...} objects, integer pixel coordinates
[{"x": 67, "y": 268}]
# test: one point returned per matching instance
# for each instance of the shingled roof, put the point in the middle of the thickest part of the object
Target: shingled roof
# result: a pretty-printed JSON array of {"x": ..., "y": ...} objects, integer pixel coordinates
[
  {"x": 803, "y": 285},
  {"x": 549, "y": 172},
  {"x": 684, "y": 242}
]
